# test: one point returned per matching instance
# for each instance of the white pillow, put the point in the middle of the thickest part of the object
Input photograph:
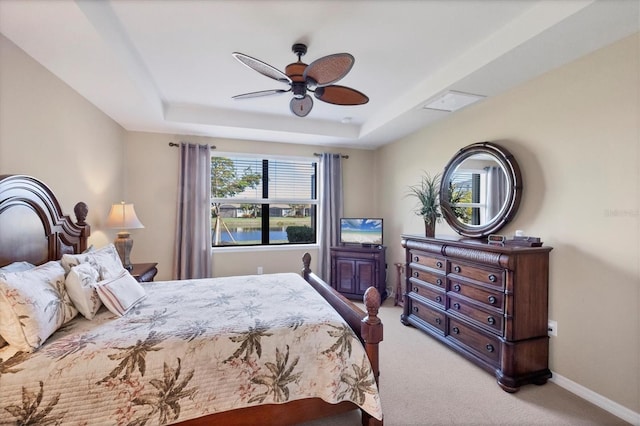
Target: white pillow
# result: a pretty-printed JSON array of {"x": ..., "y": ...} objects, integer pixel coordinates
[
  {"x": 33, "y": 305},
  {"x": 105, "y": 260},
  {"x": 120, "y": 294},
  {"x": 17, "y": 267},
  {"x": 80, "y": 283}
]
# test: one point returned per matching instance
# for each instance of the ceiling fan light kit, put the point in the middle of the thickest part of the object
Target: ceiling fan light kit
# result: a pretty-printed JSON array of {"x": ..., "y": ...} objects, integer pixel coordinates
[{"x": 317, "y": 78}]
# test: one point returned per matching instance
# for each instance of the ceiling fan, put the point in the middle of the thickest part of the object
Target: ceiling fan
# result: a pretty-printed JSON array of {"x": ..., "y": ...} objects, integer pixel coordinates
[{"x": 317, "y": 78}]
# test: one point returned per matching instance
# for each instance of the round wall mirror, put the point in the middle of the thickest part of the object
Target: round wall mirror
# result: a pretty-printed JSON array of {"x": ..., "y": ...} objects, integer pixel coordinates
[{"x": 480, "y": 190}]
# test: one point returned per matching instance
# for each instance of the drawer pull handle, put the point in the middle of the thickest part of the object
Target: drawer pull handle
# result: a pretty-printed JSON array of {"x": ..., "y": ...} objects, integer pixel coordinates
[
  {"x": 439, "y": 281},
  {"x": 438, "y": 299},
  {"x": 438, "y": 321},
  {"x": 491, "y": 320},
  {"x": 439, "y": 264},
  {"x": 416, "y": 274},
  {"x": 456, "y": 330},
  {"x": 492, "y": 300},
  {"x": 493, "y": 278},
  {"x": 490, "y": 347},
  {"x": 456, "y": 287},
  {"x": 415, "y": 289},
  {"x": 415, "y": 309},
  {"x": 457, "y": 269},
  {"x": 416, "y": 259},
  {"x": 456, "y": 305}
]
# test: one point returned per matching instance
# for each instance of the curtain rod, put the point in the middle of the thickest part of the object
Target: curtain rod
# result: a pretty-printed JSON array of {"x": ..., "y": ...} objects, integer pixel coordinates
[
  {"x": 177, "y": 145},
  {"x": 320, "y": 155}
]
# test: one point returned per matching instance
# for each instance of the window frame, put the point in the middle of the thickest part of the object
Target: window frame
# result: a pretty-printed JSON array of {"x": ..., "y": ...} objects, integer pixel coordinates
[
  {"x": 265, "y": 218},
  {"x": 481, "y": 204}
]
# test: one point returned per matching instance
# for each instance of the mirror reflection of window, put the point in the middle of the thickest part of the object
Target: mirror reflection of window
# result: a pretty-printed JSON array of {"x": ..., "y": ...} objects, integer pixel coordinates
[{"x": 477, "y": 193}]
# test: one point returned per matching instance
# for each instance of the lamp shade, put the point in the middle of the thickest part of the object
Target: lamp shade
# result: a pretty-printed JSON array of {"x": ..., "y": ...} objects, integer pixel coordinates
[{"x": 123, "y": 216}]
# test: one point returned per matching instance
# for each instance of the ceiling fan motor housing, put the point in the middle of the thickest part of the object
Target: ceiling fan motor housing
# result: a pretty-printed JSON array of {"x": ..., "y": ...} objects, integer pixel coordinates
[
  {"x": 299, "y": 89},
  {"x": 295, "y": 71}
]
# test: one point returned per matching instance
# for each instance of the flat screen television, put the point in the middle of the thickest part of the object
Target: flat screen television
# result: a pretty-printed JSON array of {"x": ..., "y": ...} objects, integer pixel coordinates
[{"x": 361, "y": 230}]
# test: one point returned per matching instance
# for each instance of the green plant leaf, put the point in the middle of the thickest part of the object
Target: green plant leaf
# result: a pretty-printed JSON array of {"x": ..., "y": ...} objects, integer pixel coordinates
[{"x": 427, "y": 192}]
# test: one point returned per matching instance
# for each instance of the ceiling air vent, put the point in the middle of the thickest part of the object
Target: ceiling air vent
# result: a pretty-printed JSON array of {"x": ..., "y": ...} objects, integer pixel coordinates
[{"x": 451, "y": 101}]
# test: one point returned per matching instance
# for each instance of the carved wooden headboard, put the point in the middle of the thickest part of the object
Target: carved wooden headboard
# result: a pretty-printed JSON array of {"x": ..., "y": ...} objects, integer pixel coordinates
[{"x": 32, "y": 225}]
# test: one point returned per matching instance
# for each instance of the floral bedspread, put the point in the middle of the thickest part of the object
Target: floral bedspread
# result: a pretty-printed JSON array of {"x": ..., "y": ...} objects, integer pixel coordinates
[{"x": 191, "y": 348}]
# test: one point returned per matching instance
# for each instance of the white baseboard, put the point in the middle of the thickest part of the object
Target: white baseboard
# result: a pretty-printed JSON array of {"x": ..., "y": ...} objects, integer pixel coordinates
[{"x": 597, "y": 399}]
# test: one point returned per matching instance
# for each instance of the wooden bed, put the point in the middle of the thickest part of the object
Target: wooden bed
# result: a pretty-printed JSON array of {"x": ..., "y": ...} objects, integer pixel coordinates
[{"x": 33, "y": 228}]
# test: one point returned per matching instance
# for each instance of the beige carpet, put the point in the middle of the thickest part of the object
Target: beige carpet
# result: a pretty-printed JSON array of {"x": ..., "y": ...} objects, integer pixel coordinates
[{"x": 422, "y": 382}]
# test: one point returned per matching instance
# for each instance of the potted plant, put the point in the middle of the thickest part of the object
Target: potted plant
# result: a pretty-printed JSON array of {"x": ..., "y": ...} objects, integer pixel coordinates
[{"x": 428, "y": 195}]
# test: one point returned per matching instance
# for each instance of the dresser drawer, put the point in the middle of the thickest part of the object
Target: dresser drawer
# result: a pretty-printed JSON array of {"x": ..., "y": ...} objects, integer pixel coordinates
[
  {"x": 489, "y": 276},
  {"x": 428, "y": 292},
  {"x": 434, "y": 317},
  {"x": 428, "y": 261},
  {"x": 492, "y": 321},
  {"x": 428, "y": 277},
  {"x": 485, "y": 296},
  {"x": 484, "y": 345}
]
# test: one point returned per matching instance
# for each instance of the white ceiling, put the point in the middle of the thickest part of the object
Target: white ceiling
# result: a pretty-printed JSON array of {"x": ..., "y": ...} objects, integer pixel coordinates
[{"x": 166, "y": 65}]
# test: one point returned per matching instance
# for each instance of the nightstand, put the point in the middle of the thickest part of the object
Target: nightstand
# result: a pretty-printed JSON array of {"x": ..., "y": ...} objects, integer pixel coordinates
[{"x": 144, "y": 272}]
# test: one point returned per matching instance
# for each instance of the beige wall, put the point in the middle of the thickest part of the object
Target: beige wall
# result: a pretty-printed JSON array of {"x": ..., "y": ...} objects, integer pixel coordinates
[
  {"x": 576, "y": 135},
  {"x": 50, "y": 132},
  {"x": 152, "y": 171}
]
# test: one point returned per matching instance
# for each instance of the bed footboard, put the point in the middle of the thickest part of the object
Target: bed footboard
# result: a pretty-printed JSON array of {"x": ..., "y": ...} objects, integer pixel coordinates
[{"x": 366, "y": 325}]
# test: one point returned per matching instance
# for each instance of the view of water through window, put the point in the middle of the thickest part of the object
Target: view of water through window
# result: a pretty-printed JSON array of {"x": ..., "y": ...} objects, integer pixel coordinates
[{"x": 245, "y": 235}]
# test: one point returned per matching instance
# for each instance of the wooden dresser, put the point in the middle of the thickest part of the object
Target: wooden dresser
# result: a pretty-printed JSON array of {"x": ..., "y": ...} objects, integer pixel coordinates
[{"x": 489, "y": 303}]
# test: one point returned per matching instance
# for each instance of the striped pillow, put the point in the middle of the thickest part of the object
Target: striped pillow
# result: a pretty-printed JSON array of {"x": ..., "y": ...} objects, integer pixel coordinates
[{"x": 121, "y": 293}]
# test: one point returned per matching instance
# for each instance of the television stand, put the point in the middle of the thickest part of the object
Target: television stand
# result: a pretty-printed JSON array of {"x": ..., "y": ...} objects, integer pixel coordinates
[{"x": 356, "y": 268}]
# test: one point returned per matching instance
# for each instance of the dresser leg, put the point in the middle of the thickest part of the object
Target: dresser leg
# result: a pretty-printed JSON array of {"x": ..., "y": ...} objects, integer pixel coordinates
[{"x": 508, "y": 388}]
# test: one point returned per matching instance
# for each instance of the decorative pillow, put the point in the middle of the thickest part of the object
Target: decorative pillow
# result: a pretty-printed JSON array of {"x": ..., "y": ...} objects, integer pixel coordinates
[
  {"x": 80, "y": 284},
  {"x": 120, "y": 294},
  {"x": 105, "y": 260},
  {"x": 17, "y": 267},
  {"x": 33, "y": 305}
]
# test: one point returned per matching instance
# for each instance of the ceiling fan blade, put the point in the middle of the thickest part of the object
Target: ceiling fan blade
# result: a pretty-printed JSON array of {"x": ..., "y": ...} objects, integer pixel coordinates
[
  {"x": 329, "y": 69},
  {"x": 260, "y": 93},
  {"x": 340, "y": 95},
  {"x": 261, "y": 67}
]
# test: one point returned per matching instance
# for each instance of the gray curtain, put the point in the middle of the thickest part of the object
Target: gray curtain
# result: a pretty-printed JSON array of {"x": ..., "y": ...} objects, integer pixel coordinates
[
  {"x": 193, "y": 227},
  {"x": 496, "y": 191},
  {"x": 331, "y": 210}
]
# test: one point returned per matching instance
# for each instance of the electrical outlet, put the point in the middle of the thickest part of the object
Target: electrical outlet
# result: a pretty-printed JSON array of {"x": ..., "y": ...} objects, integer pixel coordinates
[
  {"x": 552, "y": 328},
  {"x": 259, "y": 270}
]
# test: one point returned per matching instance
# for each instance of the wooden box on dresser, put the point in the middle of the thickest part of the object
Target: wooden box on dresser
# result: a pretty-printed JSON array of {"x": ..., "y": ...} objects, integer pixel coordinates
[{"x": 489, "y": 303}]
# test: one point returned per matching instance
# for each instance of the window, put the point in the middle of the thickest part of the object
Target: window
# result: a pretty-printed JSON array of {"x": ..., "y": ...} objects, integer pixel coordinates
[
  {"x": 262, "y": 201},
  {"x": 467, "y": 192}
]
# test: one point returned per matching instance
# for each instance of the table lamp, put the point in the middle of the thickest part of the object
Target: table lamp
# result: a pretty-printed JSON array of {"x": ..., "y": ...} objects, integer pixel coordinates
[{"x": 123, "y": 216}]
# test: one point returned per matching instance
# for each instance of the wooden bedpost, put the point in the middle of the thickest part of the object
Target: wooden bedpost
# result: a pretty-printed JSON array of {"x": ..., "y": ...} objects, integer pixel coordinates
[
  {"x": 372, "y": 327},
  {"x": 306, "y": 261},
  {"x": 81, "y": 210}
]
